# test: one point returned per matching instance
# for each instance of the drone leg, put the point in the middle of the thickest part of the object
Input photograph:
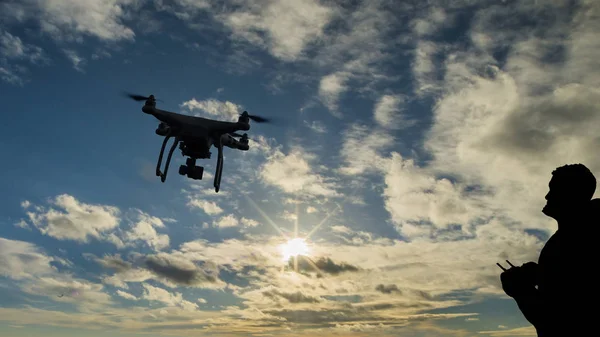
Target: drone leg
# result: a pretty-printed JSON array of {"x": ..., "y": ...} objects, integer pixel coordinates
[
  {"x": 163, "y": 177},
  {"x": 219, "y": 169},
  {"x": 162, "y": 150}
]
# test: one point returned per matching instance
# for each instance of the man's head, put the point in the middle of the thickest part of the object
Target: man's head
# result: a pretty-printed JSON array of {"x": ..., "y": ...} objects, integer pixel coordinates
[{"x": 571, "y": 187}]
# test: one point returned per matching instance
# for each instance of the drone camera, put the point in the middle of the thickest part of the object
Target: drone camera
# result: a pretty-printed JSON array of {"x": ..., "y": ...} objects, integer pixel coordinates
[{"x": 193, "y": 172}]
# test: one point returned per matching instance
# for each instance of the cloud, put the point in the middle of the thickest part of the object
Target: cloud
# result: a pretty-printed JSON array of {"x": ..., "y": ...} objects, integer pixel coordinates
[
  {"x": 504, "y": 123},
  {"x": 413, "y": 195},
  {"x": 172, "y": 270},
  {"x": 23, "y": 260},
  {"x": 126, "y": 295},
  {"x": 71, "y": 19},
  {"x": 209, "y": 207},
  {"x": 524, "y": 331},
  {"x": 330, "y": 89},
  {"x": 78, "y": 61},
  {"x": 249, "y": 222},
  {"x": 321, "y": 265},
  {"x": 144, "y": 229},
  {"x": 214, "y": 108},
  {"x": 114, "y": 262},
  {"x": 22, "y": 224},
  {"x": 316, "y": 126},
  {"x": 362, "y": 150},
  {"x": 74, "y": 220},
  {"x": 11, "y": 76},
  {"x": 152, "y": 293},
  {"x": 294, "y": 174},
  {"x": 227, "y": 221},
  {"x": 13, "y": 48},
  {"x": 388, "y": 112},
  {"x": 283, "y": 28},
  {"x": 387, "y": 289},
  {"x": 297, "y": 297},
  {"x": 178, "y": 270}
]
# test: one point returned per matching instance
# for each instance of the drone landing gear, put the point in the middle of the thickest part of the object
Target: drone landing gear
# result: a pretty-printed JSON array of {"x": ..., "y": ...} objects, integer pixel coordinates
[
  {"x": 191, "y": 170},
  {"x": 219, "y": 170},
  {"x": 163, "y": 175}
]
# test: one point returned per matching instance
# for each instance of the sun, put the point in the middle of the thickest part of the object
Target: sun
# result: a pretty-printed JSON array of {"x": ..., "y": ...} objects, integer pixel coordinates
[{"x": 294, "y": 247}]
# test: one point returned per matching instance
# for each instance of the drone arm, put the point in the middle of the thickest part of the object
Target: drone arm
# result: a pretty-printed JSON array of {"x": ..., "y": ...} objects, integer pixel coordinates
[
  {"x": 219, "y": 169},
  {"x": 229, "y": 141}
]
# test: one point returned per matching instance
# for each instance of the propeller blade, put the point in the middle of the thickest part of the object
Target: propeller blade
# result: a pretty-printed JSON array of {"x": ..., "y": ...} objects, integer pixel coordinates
[
  {"x": 138, "y": 98},
  {"x": 135, "y": 97},
  {"x": 258, "y": 119},
  {"x": 235, "y": 134}
]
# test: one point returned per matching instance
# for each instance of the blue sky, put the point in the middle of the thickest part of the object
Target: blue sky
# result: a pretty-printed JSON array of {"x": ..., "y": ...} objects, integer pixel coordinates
[{"x": 411, "y": 148}]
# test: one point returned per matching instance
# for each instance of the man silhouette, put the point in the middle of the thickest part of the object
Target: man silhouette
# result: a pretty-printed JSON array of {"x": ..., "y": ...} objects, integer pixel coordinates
[{"x": 557, "y": 294}]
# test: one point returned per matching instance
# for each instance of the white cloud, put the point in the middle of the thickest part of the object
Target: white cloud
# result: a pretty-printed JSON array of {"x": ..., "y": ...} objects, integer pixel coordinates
[
  {"x": 424, "y": 69},
  {"x": 28, "y": 264},
  {"x": 12, "y": 47},
  {"x": 22, "y": 224},
  {"x": 294, "y": 174},
  {"x": 434, "y": 19},
  {"x": 126, "y": 295},
  {"x": 144, "y": 230},
  {"x": 214, "y": 108},
  {"x": 13, "y": 53},
  {"x": 11, "y": 76},
  {"x": 152, "y": 293},
  {"x": 73, "y": 19},
  {"x": 227, "y": 221},
  {"x": 330, "y": 89},
  {"x": 22, "y": 260},
  {"x": 209, "y": 207},
  {"x": 78, "y": 61},
  {"x": 524, "y": 331},
  {"x": 282, "y": 27},
  {"x": 388, "y": 112},
  {"x": 316, "y": 126},
  {"x": 507, "y": 128},
  {"x": 413, "y": 194},
  {"x": 75, "y": 220},
  {"x": 362, "y": 149},
  {"x": 249, "y": 222}
]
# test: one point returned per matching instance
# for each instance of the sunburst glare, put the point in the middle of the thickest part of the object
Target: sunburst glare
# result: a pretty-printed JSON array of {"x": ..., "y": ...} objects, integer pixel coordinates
[{"x": 293, "y": 248}]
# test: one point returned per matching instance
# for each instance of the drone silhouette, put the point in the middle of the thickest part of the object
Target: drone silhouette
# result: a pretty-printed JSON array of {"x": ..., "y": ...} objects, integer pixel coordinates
[{"x": 195, "y": 136}]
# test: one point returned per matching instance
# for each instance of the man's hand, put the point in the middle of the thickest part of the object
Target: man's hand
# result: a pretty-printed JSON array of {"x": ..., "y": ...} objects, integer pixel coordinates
[{"x": 519, "y": 280}]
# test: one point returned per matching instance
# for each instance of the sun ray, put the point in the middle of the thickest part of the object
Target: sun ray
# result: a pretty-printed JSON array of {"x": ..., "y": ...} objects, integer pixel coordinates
[
  {"x": 310, "y": 261},
  {"x": 315, "y": 228},
  {"x": 266, "y": 217}
]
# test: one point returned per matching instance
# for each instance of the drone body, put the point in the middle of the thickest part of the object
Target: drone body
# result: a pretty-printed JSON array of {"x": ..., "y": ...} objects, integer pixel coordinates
[{"x": 195, "y": 136}]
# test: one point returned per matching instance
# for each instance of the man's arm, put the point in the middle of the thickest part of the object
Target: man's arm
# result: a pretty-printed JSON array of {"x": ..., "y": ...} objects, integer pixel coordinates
[{"x": 519, "y": 283}]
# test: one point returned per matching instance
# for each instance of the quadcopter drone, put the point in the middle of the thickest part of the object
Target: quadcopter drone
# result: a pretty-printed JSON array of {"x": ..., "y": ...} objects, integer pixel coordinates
[{"x": 195, "y": 136}]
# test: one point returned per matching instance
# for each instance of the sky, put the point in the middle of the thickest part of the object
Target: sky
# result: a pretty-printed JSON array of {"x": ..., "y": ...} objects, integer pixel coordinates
[{"x": 411, "y": 148}]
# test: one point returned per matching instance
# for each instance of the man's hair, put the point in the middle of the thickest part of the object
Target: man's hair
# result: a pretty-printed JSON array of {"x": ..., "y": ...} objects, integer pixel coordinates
[{"x": 578, "y": 178}]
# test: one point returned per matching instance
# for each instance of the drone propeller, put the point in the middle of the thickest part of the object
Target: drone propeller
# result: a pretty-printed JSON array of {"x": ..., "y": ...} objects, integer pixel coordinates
[
  {"x": 255, "y": 118},
  {"x": 136, "y": 97},
  {"x": 235, "y": 134}
]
